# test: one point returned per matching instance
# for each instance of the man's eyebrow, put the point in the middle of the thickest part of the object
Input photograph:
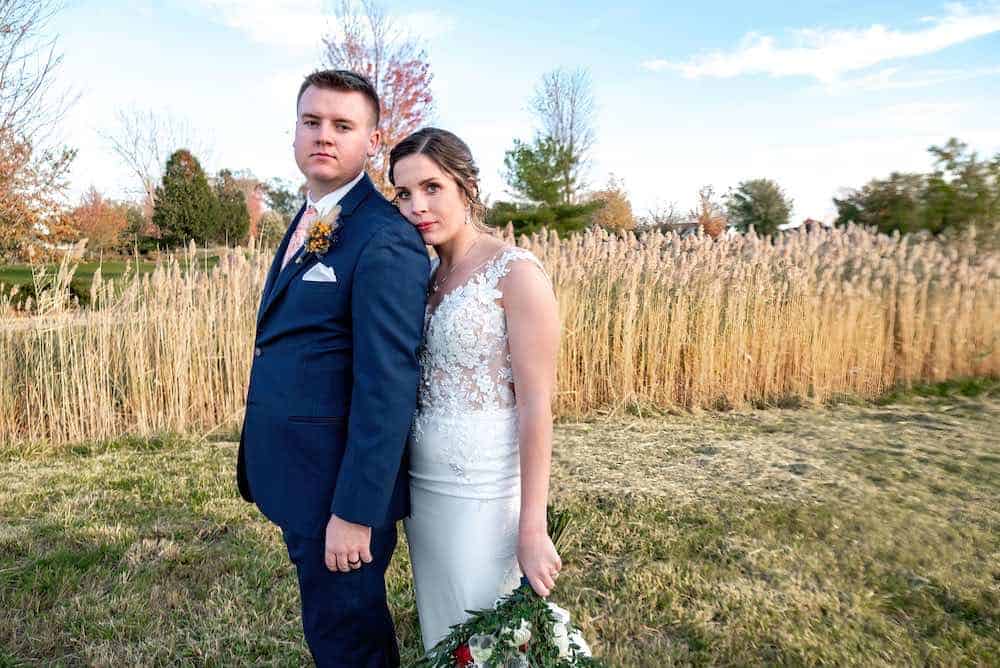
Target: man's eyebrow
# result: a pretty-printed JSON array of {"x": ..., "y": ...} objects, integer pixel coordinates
[{"x": 310, "y": 115}]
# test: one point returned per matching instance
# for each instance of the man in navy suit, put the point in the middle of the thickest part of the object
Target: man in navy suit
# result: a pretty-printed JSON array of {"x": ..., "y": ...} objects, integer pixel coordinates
[{"x": 333, "y": 384}]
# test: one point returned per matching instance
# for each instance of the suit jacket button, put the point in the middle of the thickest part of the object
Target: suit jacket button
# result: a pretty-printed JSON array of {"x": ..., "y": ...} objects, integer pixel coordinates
[{"x": 256, "y": 352}]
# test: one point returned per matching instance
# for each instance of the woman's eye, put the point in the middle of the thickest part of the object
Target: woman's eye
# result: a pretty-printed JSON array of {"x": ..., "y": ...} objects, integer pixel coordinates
[
  {"x": 402, "y": 195},
  {"x": 432, "y": 188}
]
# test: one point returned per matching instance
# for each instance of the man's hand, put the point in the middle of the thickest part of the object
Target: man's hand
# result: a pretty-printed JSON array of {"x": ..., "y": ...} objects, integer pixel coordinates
[{"x": 347, "y": 545}]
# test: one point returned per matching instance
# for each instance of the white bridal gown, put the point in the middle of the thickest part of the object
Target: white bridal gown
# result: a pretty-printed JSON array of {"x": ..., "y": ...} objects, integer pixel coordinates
[{"x": 465, "y": 481}]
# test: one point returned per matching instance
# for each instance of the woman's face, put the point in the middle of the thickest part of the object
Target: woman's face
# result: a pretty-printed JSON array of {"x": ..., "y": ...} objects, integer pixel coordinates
[{"x": 429, "y": 198}]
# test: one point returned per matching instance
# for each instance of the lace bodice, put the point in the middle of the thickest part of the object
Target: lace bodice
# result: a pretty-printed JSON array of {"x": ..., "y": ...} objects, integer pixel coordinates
[{"x": 465, "y": 357}]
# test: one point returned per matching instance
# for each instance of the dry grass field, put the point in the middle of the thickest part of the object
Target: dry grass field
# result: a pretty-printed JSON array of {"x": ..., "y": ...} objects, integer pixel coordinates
[
  {"x": 864, "y": 534},
  {"x": 649, "y": 322}
]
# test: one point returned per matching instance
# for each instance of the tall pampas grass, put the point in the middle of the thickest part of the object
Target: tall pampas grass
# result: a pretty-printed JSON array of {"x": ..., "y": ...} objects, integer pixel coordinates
[{"x": 649, "y": 321}]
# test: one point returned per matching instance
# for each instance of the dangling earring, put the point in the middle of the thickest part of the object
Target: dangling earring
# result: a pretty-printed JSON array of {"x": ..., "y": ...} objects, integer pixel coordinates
[{"x": 468, "y": 215}]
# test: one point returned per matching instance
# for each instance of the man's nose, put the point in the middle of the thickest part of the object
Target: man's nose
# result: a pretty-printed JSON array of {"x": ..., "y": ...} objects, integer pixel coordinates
[{"x": 325, "y": 134}]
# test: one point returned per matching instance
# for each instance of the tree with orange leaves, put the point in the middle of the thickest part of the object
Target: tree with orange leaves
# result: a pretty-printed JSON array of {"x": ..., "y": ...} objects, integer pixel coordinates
[
  {"x": 100, "y": 221},
  {"x": 370, "y": 43}
]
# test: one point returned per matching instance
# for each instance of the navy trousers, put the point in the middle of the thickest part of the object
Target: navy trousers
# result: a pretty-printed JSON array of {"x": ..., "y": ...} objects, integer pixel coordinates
[{"x": 344, "y": 615}]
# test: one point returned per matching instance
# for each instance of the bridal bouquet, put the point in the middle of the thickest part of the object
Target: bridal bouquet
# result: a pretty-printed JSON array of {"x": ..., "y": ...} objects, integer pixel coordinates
[{"x": 522, "y": 630}]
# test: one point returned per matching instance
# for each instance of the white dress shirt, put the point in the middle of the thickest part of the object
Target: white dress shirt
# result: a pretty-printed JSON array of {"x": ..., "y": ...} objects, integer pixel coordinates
[{"x": 332, "y": 199}]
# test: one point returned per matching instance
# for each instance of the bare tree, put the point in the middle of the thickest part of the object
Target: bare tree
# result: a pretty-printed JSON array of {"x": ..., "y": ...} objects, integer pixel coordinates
[
  {"x": 664, "y": 216},
  {"x": 564, "y": 106},
  {"x": 143, "y": 140},
  {"x": 33, "y": 165},
  {"x": 370, "y": 42},
  {"x": 28, "y": 62}
]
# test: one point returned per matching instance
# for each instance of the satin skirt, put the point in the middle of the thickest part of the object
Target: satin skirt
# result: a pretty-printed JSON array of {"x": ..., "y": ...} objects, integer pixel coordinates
[{"x": 465, "y": 503}]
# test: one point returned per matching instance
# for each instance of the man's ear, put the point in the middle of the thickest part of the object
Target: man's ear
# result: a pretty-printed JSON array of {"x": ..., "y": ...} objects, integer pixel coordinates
[{"x": 373, "y": 142}]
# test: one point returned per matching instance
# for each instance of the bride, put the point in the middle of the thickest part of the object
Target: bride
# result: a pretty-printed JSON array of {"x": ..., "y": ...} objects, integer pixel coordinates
[{"x": 481, "y": 442}]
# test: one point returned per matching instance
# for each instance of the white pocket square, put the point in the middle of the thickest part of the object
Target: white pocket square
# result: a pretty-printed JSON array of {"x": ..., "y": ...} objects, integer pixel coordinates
[{"x": 320, "y": 272}]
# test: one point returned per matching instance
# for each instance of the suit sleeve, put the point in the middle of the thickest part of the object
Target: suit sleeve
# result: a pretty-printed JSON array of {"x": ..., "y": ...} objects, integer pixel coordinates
[{"x": 387, "y": 310}]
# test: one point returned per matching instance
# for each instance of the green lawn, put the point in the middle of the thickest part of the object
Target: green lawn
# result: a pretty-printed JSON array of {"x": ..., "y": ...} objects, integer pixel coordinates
[
  {"x": 858, "y": 535},
  {"x": 20, "y": 274}
]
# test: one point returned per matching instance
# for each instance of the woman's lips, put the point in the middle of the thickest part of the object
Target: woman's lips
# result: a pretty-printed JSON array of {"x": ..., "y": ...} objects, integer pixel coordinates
[{"x": 423, "y": 227}]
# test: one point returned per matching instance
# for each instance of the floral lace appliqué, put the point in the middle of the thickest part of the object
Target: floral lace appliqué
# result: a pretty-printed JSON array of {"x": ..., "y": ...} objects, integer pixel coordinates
[{"x": 465, "y": 358}]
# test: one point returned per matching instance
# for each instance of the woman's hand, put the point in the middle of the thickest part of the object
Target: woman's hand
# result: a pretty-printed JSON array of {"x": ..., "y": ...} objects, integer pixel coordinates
[{"x": 539, "y": 561}]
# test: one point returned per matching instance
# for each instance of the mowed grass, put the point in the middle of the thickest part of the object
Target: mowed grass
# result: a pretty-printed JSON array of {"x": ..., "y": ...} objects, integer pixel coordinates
[
  {"x": 21, "y": 274},
  {"x": 858, "y": 535}
]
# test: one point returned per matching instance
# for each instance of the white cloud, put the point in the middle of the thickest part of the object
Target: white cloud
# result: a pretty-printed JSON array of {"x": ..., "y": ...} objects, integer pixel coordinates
[
  {"x": 284, "y": 23},
  {"x": 892, "y": 78},
  {"x": 301, "y": 24},
  {"x": 827, "y": 55}
]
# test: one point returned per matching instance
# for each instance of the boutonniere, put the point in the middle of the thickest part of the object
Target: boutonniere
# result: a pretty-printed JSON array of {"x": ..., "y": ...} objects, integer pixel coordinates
[{"x": 322, "y": 234}]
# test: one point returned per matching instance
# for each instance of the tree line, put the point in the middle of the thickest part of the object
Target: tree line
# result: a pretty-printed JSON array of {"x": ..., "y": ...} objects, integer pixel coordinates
[{"x": 547, "y": 174}]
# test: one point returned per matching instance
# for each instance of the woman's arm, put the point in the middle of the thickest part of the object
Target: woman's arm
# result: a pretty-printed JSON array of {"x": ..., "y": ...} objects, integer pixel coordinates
[{"x": 533, "y": 335}]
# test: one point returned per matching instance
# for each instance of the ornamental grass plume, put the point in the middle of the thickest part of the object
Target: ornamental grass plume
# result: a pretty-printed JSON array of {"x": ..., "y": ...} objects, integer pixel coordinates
[{"x": 650, "y": 322}]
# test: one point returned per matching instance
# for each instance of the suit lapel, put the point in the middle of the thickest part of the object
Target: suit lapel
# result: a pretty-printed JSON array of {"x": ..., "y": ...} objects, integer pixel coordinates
[
  {"x": 279, "y": 279},
  {"x": 272, "y": 273}
]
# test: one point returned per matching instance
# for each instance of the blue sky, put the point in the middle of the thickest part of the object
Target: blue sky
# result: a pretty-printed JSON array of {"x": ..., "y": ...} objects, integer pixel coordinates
[{"x": 817, "y": 97}]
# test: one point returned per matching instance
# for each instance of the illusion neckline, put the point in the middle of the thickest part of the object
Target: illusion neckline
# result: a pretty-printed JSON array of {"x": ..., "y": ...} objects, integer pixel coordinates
[{"x": 477, "y": 270}]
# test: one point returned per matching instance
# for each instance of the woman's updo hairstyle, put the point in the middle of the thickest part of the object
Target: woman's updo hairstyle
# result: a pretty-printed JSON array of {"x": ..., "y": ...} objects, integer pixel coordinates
[{"x": 451, "y": 155}]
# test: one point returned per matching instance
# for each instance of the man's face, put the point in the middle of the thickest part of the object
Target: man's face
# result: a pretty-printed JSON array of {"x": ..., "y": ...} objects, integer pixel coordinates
[{"x": 333, "y": 137}]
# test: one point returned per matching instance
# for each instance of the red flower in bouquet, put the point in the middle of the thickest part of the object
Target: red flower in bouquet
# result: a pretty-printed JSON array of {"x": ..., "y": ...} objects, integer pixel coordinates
[{"x": 463, "y": 656}]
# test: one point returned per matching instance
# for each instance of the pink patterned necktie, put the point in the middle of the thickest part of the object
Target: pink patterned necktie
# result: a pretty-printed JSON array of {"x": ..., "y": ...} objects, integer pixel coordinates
[{"x": 299, "y": 235}]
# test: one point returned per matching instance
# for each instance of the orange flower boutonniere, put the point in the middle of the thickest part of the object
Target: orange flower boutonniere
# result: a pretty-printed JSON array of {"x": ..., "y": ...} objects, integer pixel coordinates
[{"x": 322, "y": 235}]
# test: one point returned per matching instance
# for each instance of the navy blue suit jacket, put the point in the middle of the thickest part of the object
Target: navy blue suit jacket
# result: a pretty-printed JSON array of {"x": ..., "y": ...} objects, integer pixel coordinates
[{"x": 334, "y": 379}]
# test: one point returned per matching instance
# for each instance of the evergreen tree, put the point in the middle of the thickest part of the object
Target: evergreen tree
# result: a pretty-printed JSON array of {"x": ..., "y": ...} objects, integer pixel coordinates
[
  {"x": 233, "y": 223},
  {"x": 536, "y": 172},
  {"x": 186, "y": 208},
  {"x": 758, "y": 202}
]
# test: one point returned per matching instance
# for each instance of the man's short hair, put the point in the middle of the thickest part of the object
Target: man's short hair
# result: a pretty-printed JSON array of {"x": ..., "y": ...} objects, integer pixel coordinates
[{"x": 343, "y": 80}]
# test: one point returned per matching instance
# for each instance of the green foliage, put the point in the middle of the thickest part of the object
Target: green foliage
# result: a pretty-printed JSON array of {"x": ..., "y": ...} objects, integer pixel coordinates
[
  {"x": 282, "y": 198},
  {"x": 186, "y": 208},
  {"x": 961, "y": 191},
  {"x": 271, "y": 228},
  {"x": 563, "y": 218},
  {"x": 758, "y": 202},
  {"x": 135, "y": 236},
  {"x": 233, "y": 222},
  {"x": 537, "y": 172},
  {"x": 892, "y": 204},
  {"x": 523, "y": 605}
]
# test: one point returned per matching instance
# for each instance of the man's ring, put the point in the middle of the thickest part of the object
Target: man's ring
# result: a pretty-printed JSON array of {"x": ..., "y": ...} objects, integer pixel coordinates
[{"x": 354, "y": 563}]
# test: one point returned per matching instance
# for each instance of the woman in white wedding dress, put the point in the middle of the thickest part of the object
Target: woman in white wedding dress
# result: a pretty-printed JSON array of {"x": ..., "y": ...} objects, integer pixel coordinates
[{"x": 481, "y": 443}]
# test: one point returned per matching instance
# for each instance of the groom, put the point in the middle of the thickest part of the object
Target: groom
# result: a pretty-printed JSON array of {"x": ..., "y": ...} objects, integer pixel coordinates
[{"x": 333, "y": 384}]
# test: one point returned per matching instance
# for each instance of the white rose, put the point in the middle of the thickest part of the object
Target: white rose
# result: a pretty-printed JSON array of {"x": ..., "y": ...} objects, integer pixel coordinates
[
  {"x": 481, "y": 648},
  {"x": 522, "y": 634}
]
